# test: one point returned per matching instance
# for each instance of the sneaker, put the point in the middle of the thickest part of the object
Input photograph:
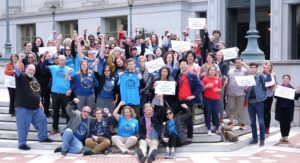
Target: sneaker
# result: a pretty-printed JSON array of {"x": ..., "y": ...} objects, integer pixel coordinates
[
  {"x": 24, "y": 147},
  {"x": 286, "y": 139},
  {"x": 88, "y": 152},
  {"x": 209, "y": 133},
  {"x": 282, "y": 139},
  {"x": 54, "y": 131},
  {"x": 167, "y": 155},
  {"x": 152, "y": 156},
  {"x": 262, "y": 143},
  {"x": 47, "y": 140},
  {"x": 58, "y": 149},
  {"x": 131, "y": 152},
  {"x": 141, "y": 156},
  {"x": 242, "y": 126},
  {"x": 253, "y": 142},
  {"x": 172, "y": 155},
  {"x": 267, "y": 131},
  {"x": 106, "y": 151},
  {"x": 63, "y": 153}
]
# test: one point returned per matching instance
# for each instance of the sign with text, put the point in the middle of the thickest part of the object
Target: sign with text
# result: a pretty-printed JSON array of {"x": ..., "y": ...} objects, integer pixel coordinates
[
  {"x": 284, "y": 92},
  {"x": 271, "y": 83},
  {"x": 51, "y": 50},
  {"x": 197, "y": 23},
  {"x": 247, "y": 80},
  {"x": 165, "y": 87},
  {"x": 181, "y": 46},
  {"x": 230, "y": 53},
  {"x": 10, "y": 81},
  {"x": 155, "y": 64}
]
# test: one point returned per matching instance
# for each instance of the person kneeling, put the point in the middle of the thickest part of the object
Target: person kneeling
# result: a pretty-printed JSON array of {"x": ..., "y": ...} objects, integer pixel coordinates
[
  {"x": 100, "y": 137},
  {"x": 76, "y": 130}
]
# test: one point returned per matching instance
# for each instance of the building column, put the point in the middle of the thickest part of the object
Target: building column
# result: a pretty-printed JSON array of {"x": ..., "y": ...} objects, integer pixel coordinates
[
  {"x": 276, "y": 30},
  {"x": 216, "y": 16}
]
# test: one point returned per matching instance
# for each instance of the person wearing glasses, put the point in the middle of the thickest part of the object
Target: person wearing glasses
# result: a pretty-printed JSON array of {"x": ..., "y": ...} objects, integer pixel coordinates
[
  {"x": 76, "y": 130},
  {"x": 174, "y": 135}
]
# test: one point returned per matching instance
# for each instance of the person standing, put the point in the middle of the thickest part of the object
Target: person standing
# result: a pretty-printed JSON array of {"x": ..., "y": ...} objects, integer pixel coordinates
[
  {"x": 236, "y": 94},
  {"x": 29, "y": 108},
  {"x": 284, "y": 110},
  {"x": 256, "y": 95},
  {"x": 60, "y": 89},
  {"x": 10, "y": 71}
]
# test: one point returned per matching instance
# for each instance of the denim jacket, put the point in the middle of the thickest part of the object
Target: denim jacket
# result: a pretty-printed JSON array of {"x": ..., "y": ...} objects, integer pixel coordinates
[{"x": 260, "y": 89}]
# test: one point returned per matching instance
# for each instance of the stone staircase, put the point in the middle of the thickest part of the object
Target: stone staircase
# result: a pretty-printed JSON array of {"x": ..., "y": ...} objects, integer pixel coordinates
[{"x": 201, "y": 141}]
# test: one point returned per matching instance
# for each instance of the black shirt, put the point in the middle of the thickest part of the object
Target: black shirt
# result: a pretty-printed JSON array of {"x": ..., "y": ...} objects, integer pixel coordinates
[{"x": 27, "y": 92}]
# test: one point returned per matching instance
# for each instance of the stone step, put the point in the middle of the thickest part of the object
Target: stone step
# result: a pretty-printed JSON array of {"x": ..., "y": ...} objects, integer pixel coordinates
[
  {"x": 11, "y": 126},
  {"x": 12, "y": 135},
  {"x": 4, "y": 103},
  {"x": 8, "y": 118},
  {"x": 199, "y": 119},
  {"x": 194, "y": 147}
]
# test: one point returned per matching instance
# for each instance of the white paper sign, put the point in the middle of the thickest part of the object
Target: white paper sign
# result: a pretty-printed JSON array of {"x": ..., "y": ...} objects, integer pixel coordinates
[
  {"x": 230, "y": 53},
  {"x": 165, "y": 87},
  {"x": 197, "y": 23},
  {"x": 243, "y": 81},
  {"x": 284, "y": 92},
  {"x": 10, "y": 81},
  {"x": 51, "y": 50},
  {"x": 181, "y": 46},
  {"x": 272, "y": 82},
  {"x": 155, "y": 64}
]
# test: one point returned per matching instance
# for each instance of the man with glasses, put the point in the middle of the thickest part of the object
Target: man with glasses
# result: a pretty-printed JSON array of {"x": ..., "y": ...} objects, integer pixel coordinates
[{"x": 76, "y": 130}]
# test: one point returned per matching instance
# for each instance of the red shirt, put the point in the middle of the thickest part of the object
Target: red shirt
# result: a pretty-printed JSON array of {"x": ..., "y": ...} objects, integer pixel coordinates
[
  {"x": 209, "y": 92},
  {"x": 184, "y": 88}
]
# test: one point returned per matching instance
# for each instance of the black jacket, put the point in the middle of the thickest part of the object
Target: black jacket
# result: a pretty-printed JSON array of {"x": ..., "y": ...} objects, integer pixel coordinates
[
  {"x": 157, "y": 126},
  {"x": 107, "y": 122}
]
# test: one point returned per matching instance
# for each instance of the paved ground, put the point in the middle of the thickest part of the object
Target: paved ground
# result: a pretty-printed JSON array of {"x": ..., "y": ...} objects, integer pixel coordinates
[{"x": 271, "y": 152}]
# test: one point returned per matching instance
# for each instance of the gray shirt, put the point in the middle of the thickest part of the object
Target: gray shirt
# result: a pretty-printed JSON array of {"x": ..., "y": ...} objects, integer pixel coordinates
[{"x": 232, "y": 88}]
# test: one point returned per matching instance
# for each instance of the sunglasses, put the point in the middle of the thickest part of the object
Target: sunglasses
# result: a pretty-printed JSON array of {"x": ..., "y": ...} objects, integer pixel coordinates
[
  {"x": 169, "y": 113},
  {"x": 107, "y": 47},
  {"x": 194, "y": 47},
  {"x": 106, "y": 70},
  {"x": 86, "y": 111}
]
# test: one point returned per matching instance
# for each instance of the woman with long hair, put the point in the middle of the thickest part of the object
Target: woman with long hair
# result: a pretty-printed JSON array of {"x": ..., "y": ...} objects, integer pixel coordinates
[
  {"x": 10, "y": 71},
  {"x": 36, "y": 44},
  {"x": 85, "y": 82}
]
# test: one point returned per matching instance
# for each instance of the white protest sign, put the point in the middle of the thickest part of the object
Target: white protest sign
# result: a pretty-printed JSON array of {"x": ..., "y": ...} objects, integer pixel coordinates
[
  {"x": 51, "y": 50},
  {"x": 284, "y": 92},
  {"x": 197, "y": 23},
  {"x": 181, "y": 46},
  {"x": 155, "y": 64},
  {"x": 165, "y": 87},
  {"x": 243, "y": 81},
  {"x": 272, "y": 82},
  {"x": 230, "y": 53},
  {"x": 10, "y": 81}
]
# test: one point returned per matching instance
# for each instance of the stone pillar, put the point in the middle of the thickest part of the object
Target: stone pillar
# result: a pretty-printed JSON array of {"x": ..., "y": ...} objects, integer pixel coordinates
[
  {"x": 276, "y": 30},
  {"x": 216, "y": 16}
]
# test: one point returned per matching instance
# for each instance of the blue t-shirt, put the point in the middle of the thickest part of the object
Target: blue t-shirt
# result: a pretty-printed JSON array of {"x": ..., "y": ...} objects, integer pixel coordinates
[
  {"x": 59, "y": 83},
  {"x": 172, "y": 126},
  {"x": 81, "y": 131},
  {"x": 107, "y": 91},
  {"x": 73, "y": 63},
  {"x": 129, "y": 88},
  {"x": 101, "y": 64},
  {"x": 127, "y": 128},
  {"x": 84, "y": 84}
]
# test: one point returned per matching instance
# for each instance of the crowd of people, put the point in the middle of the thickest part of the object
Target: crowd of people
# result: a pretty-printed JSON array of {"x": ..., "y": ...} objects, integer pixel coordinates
[{"x": 103, "y": 88}]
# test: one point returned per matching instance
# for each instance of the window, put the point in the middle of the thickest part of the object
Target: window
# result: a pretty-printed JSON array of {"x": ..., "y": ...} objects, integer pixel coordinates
[
  {"x": 296, "y": 32},
  {"x": 28, "y": 32},
  {"x": 67, "y": 28},
  {"x": 112, "y": 25}
]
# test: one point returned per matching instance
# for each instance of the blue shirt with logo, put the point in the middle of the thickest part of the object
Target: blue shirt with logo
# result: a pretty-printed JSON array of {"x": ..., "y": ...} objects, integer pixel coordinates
[
  {"x": 84, "y": 83},
  {"x": 59, "y": 83},
  {"x": 172, "y": 126},
  {"x": 107, "y": 91},
  {"x": 127, "y": 128},
  {"x": 81, "y": 131},
  {"x": 129, "y": 88},
  {"x": 73, "y": 63},
  {"x": 91, "y": 62}
]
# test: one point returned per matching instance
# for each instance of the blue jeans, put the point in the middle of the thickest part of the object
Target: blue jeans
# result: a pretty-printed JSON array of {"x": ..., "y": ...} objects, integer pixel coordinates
[
  {"x": 212, "y": 112},
  {"x": 70, "y": 143},
  {"x": 257, "y": 109},
  {"x": 25, "y": 117}
]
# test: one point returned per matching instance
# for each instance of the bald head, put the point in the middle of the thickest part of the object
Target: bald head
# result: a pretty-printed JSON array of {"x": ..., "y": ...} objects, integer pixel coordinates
[{"x": 61, "y": 60}]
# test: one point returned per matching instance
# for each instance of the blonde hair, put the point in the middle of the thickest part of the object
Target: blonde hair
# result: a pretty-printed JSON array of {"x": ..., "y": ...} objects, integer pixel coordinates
[{"x": 133, "y": 115}]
